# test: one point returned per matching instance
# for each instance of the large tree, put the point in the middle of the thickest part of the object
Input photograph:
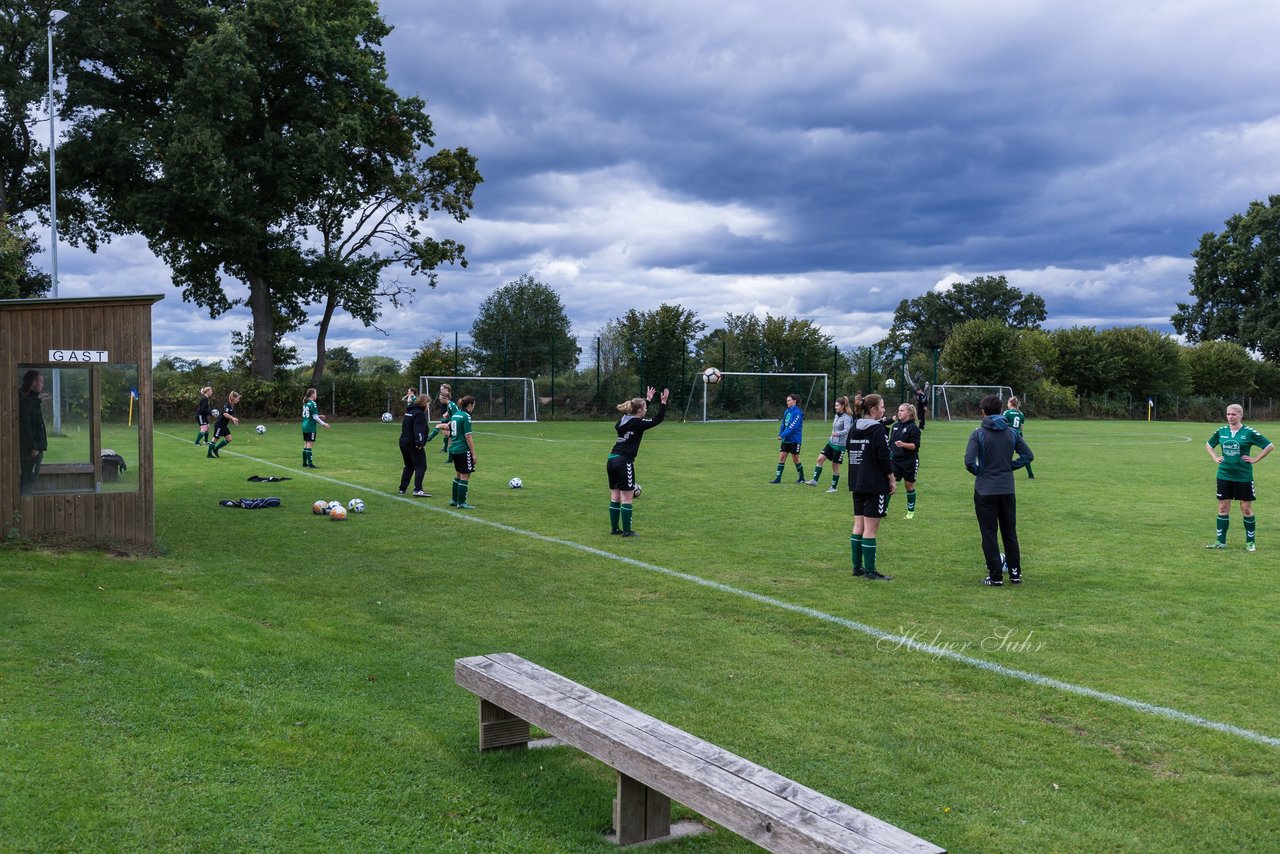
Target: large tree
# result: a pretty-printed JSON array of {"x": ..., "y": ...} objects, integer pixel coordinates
[
  {"x": 775, "y": 344},
  {"x": 986, "y": 352},
  {"x": 1236, "y": 283},
  {"x": 521, "y": 328},
  {"x": 1221, "y": 368},
  {"x": 233, "y": 135},
  {"x": 924, "y": 323},
  {"x": 24, "y": 176},
  {"x": 655, "y": 344}
]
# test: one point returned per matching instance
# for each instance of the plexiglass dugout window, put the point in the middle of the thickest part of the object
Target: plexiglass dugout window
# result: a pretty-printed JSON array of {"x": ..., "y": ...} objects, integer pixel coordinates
[
  {"x": 55, "y": 429},
  {"x": 119, "y": 414}
]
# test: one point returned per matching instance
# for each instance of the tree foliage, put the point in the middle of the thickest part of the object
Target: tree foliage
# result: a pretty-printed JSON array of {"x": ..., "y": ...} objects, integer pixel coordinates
[
  {"x": 926, "y": 322},
  {"x": 432, "y": 359},
  {"x": 520, "y": 327},
  {"x": 656, "y": 344},
  {"x": 257, "y": 141},
  {"x": 774, "y": 344},
  {"x": 1144, "y": 362},
  {"x": 986, "y": 352},
  {"x": 1220, "y": 368},
  {"x": 1236, "y": 283},
  {"x": 18, "y": 276},
  {"x": 24, "y": 82}
]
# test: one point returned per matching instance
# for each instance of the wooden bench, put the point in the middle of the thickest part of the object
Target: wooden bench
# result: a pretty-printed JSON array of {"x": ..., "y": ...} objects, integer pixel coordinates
[{"x": 658, "y": 763}]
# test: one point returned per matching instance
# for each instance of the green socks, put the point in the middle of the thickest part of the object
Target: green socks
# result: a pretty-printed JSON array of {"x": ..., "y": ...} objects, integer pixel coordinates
[
  {"x": 778, "y": 473},
  {"x": 855, "y": 542},
  {"x": 306, "y": 457},
  {"x": 817, "y": 472},
  {"x": 1250, "y": 523},
  {"x": 453, "y": 496},
  {"x": 1223, "y": 523},
  {"x": 201, "y": 435},
  {"x": 615, "y": 514},
  {"x": 911, "y": 501},
  {"x": 625, "y": 511},
  {"x": 463, "y": 485},
  {"x": 800, "y": 470},
  {"x": 835, "y": 481},
  {"x": 869, "y": 553}
]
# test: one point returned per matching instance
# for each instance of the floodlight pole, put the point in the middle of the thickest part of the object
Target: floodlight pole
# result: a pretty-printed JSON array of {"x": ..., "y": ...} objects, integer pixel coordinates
[{"x": 55, "y": 16}]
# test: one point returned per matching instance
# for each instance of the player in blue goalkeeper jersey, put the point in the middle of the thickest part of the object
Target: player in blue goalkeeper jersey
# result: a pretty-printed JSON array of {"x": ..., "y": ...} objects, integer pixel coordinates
[{"x": 790, "y": 435}]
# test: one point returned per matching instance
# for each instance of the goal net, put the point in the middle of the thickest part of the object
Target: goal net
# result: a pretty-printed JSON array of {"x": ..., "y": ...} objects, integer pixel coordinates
[
  {"x": 960, "y": 402},
  {"x": 741, "y": 396},
  {"x": 497, "y": 398}
]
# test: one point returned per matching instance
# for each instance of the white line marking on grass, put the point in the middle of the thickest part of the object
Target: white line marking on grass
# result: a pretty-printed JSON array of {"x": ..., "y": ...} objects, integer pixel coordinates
[{"x": 871, "y": 631}]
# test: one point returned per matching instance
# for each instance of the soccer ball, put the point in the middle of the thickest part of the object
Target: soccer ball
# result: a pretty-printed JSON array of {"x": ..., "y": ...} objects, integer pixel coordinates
[
  {"x": 333, "y": 505},
  {"x": 515, "y": 483},
  {"x": 216, "y": 413},
  {"x": 261, "y": 428},
  {"x": 711, "y": 376},
  {"x": 337, "y": 513},
  {"x": 638, "y": 490},
  {"x": 320, "y": 508},
  {"x": 355, "y": 505},
  {"x": 890, "y": 383},
  {"x": 387, "y": 418}
]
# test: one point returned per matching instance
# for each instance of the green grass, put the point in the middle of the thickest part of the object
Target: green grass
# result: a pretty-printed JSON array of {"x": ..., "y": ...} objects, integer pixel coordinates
[{"x": 278, "y": 681}]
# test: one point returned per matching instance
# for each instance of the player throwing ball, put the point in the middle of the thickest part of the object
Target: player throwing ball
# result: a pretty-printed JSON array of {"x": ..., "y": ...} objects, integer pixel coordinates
[
  {"x": 1235, "y": 472},
  {"x": 621, "y": 464}
]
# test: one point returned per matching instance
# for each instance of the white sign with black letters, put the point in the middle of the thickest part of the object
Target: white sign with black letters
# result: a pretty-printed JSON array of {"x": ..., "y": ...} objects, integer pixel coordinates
[{"x": 77, "y": 357}]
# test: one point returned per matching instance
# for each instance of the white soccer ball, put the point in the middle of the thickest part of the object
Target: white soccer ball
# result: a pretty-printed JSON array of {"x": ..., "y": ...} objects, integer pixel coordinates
[
  {"x": 320, "y": 508},
  {"x": 216, "y": 413},
  {"x": 338, "y": 513},
  {"x": 638, "y": 490},
  {"x": 711, "y": 376},
  {"x": 891, "y": 383},
  {"x": 515, "y": 483},
  {"x": 387, "y": 417},
  {"x": 261, "y": 428},
  {"x": 334, "y": 505},
  {"x": 355, "y": 505}
]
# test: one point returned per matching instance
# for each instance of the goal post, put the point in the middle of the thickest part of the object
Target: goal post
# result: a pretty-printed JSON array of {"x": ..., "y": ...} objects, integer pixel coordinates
[
  {"x": 497, "y": 398},
  {"x": 960, "y": 402},
  {"x": 756, "y": 396}
]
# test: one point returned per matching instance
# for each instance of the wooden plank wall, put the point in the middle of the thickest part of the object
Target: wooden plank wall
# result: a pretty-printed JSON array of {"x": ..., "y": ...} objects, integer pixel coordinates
[{"x": 28, "y": 331}]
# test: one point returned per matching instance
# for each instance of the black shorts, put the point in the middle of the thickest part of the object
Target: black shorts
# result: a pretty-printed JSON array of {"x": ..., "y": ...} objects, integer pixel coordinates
[
  {"x": 202, "y": 420},
  {"x": 906, "y": 469},
  {"x": 790, "y": 448},
  {"x": 308, "y": 437},
  {"x": 1236, "y": 490},
  {"x": 831, "y": 452},
  {"x": 463, "y": 463},
  {"x": 222, "y": 431},
  {"x": 870, "y": 505},
  {"x": 622, "y": 473}
]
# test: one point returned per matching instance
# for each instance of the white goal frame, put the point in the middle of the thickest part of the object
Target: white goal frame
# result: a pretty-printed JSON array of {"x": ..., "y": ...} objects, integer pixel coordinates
[
  {"x": 528, "y": 401},
  {"x": 940, "y": 403},
  {"x": 826, "y": 378}
]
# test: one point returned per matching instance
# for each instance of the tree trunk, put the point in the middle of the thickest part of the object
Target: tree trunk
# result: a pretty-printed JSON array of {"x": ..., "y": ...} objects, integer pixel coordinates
[
  {"x": 264, "y": 331},
  {"x": 330, "y": 303}
]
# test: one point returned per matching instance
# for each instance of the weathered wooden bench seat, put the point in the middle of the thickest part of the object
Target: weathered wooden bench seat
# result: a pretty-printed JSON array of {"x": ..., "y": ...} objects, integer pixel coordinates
[{"x": 658, "y": 763}]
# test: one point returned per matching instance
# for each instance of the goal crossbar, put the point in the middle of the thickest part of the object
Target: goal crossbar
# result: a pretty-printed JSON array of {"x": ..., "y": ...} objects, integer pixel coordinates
[
  {"x": 498, "y": 399},
  {"x": 809, "y": 398},
  {"x": 954, "y": 402}
]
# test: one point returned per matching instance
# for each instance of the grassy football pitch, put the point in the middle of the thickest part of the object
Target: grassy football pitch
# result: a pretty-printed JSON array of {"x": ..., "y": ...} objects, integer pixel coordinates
[{"x": 275, "y": 680}]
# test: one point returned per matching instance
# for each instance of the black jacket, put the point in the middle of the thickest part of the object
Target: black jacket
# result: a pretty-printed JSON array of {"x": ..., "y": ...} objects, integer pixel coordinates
[
  {"x": 31, "y": 435},
  {"x": 867, "y": 453},
  {"x": 413, "y": 428},
  {"x": 630, "y": 431}
]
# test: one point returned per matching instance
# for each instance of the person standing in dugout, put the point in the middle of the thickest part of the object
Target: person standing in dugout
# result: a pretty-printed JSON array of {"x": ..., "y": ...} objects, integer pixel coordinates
[
  {"x": 310, "y": 418},
  {"x": 1235, "y": 473},
  {"x": 621, "y": 463},
  {"x": 462, "y": 450},
  {"x": 790, "y": 435},
  {"x": 871, "y": 482},
  {"x": 904, "y": 445},
  {"x": 834, "y": 450},
  {"x": 204, "y": 415},
  {"x": 989, "y": 457},
  {"x": 33, "y": 440},
  {"x": 413, "y": 443},
  {"x": 222, "y": 429}
]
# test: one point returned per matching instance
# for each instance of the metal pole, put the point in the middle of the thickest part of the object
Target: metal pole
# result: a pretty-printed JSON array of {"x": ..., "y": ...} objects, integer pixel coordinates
[
  {"x": 55, "y": 16},
  {"x": 455, "y": 355},
  {"x": 553, "y": 377},
  {"x": 599, "y": 403}
]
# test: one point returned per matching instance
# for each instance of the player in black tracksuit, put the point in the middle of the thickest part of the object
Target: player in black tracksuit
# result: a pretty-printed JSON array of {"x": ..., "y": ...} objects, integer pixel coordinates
[
  {"x": 413, "y": 441},
  {"x": 871, "y": 482},
  {"x": 621, "y": 463}
]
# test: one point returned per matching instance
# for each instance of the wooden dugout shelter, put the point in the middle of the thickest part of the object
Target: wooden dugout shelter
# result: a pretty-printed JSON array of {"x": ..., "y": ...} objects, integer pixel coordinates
[{"x": 95, "y": 481}]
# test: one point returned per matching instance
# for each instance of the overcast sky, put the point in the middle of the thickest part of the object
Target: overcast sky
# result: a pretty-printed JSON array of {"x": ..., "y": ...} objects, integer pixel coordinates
[{"x": 821, "y": 160}]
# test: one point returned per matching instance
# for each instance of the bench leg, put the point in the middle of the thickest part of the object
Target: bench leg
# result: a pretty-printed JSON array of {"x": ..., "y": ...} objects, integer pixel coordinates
[
  {"x": 640, "y": 813},
  {"x": 501, "y": 729}
]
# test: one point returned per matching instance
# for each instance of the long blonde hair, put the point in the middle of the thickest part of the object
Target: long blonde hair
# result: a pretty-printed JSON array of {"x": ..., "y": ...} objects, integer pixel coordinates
[{"x": 632, "y": 406}]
